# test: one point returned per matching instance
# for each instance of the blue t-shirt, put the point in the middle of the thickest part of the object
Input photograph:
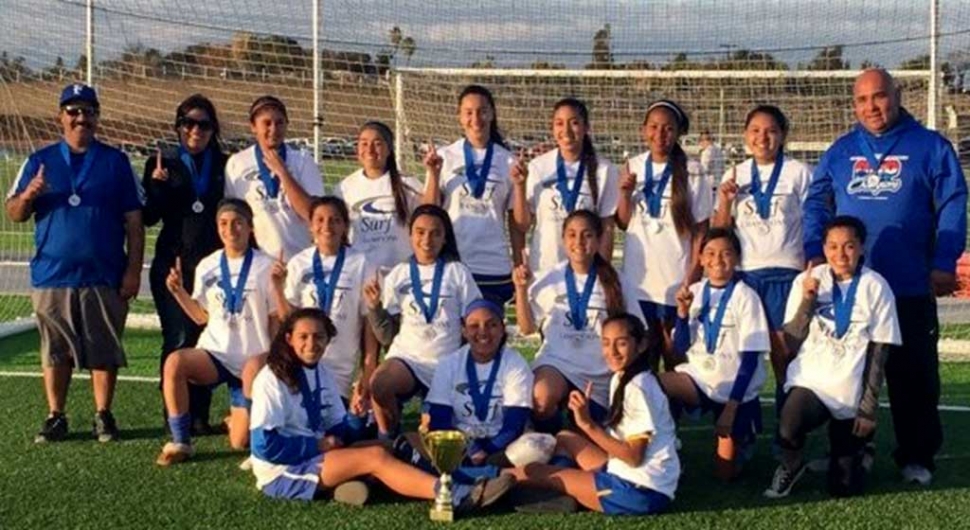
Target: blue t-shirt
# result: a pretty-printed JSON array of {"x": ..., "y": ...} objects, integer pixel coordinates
[
  {"x": 84, "y": 245},
  {"x": 914, "y": 206}
]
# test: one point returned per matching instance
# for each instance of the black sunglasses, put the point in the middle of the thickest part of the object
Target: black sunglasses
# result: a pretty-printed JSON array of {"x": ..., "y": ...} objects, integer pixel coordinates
[
  {"x": 189, "y": 123},
  {"x": 75, "y": 111}
]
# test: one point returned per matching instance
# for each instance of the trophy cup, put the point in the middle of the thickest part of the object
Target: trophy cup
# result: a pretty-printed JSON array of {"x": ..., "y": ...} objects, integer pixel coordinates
[{"x": 445, "y": 449}]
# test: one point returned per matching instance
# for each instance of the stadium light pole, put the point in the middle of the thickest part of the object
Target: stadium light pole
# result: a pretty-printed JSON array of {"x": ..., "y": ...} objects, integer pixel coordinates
[
  {"x": 931, "y": 99},
  {"x": 89, "y": 44},
  {"x": 317, "y": 118}
]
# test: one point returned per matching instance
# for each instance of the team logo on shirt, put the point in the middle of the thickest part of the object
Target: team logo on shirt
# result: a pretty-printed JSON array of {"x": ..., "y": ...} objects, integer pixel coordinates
[
  {"x": 866, "y": 182},
  {"x": 375, "y": 214},
  {"x": 585, "y": 199}
]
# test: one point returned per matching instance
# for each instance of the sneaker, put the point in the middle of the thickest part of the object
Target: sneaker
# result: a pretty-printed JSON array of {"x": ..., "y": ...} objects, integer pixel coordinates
[
  {"x": 537, "y": 501},
  {"x": 915, "y": 474},
  {"x": 485, "y": 493},
  {"x": 354, "y": 493},
  {"x": 105, "y": 427},
  {"x": 818, "y": 465},
  {"x": 174, "y": 453},
  {"x": 246, "y": 464},
  {"x": 782, "y": 482},
  {"x": 54, "y": 429}
]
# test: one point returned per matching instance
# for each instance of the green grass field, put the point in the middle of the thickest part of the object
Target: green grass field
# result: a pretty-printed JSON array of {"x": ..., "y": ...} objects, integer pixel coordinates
[{"x": 81, "y": 484}]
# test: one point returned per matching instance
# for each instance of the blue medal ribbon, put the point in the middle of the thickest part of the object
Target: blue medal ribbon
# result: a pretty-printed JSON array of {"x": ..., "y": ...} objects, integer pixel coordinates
[
  {"x": 477, "y": 179},
  {"x": 569, "y": 196},
  {"x": 653, "y": 195},
  {"x": 874, "y": 162},
  {"x": 481, "y": 398},
  {"x": 311, "y": 398},
  {"x": 271, "y": 182},
  {"x": 427, "y": 309},
  {"x": 762, "y": 194},
  {"x": 233, "y": 302},
  {"x": 78, "y": 178},
  {"x": 325, "y": 288},
  {"x": 579, "y": 302},
  {"x": 843, "y": 306},
  {"x": 712, "y": 328},
  {"x": 200, "y": 178}
]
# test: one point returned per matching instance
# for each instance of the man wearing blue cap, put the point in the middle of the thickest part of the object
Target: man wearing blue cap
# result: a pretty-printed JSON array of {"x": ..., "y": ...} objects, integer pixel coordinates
[{"x": 86, "y": 203}]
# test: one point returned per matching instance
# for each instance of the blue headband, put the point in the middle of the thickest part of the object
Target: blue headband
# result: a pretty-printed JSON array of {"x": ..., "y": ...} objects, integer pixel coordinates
[{"x": 482, "y": 303}]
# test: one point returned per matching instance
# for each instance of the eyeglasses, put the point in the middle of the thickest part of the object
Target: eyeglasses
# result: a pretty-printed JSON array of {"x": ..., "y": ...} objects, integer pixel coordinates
[
  {"x": 75, "y": 111},
  {"x": 189, "y": 123}
]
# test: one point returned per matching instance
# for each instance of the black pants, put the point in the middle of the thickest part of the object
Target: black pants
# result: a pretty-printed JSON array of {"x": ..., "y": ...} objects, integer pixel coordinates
[
  {"x": 178, "y": 331},
  {"x": 803, "y": 412},
  {"x": 913, "y": 378}
]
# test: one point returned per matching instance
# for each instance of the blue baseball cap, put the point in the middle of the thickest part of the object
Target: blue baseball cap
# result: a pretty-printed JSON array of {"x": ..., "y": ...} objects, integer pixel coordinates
[{"x": 79, "y": 92}]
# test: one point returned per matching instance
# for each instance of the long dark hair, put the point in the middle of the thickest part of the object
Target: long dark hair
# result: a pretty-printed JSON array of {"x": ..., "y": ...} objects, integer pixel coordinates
[
  {"x": 588, "y": 155},
  {"x": 449, "y": 252},
  {"x": 397, "y": 182},
  {"x": 608, "y": 277},
  {"x": 337, "y": 204},
  {"x": 198, "y": 101},
  {"x": 282, "y": 360},
  {"x": 677, "y": 159},
  {"x": 638, "y": 332},
  {"x": 494, "y": 135}
]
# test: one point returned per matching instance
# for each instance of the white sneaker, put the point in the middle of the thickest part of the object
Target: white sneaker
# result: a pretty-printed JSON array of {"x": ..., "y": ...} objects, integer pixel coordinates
[
  {"x": 914, "y": 474},
  {"x": 247, "y": 464}
]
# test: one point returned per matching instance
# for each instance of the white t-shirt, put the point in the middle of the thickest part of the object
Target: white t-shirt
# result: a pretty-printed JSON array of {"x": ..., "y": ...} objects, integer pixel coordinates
[
  {"x": 776, "y": 241},
  {"x": 577, "y": 354},
  {"x": 512, "y": 388},
  {"x": 830, "y": 367},
  {"x": 479, "y": 223},
  {"x": 547, "y": 206},
  {"x": 744, "y": 329},
  {"x": 653, "y": 251},
  {"x": 276, "y": 407},
  {"x": 374, "y": 226},
  {"x": 277, "y": 225},
  {"x": 347, "y": 312},
  {"x": 419, "y": 343},
  {"x": 232, "y": 343},
  {"x": 646, "y": 410}
]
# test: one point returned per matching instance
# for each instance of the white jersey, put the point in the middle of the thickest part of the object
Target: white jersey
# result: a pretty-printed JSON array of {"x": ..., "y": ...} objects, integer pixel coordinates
[
  {"x": 577, "y": 354},
  {"x": 776, "y": 241},
  {"x": 374, "y": 226},
  {"x": 276, "y": 224},
  {"x": 744, "y": 329},
  {"x": 234, "y": 338},
  {"x": 646, "y": 411},
  {"x": 419, "y": 343},
  {"x": 276, "y": 407},
  {"x": 832, "y": 368},
  {"x": 547, "y": 206},
  {"x": 512, "y": 388},
  {"x": 479, "y": 223},
  {"x": 653, "y": 251},
  {"x": 347, "y": 312}
]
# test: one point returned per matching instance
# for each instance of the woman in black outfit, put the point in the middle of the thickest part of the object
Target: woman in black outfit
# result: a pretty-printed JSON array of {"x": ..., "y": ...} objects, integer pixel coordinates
[{"x": 182, "y": 190}]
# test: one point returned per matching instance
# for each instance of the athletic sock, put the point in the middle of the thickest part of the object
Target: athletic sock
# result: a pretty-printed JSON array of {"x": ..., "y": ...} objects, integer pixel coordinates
[{"x": 181, "y": 428}]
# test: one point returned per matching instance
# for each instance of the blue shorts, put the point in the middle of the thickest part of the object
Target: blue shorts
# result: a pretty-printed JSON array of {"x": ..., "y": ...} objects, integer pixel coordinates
[
  {"x": 236, "y": 398},
  {"x": 621, "y": 497},
  {"x": 747, "y": 421},
  {"x": 653, "y": 311},
  {"x": 772, "y": 286},
  {"x": 498, "y": 289},
  {"x": 298, "y": 482}
]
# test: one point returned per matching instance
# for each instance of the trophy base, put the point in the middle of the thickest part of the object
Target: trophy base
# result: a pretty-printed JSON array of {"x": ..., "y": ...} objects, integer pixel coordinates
[{"x": 442, "y": 516}]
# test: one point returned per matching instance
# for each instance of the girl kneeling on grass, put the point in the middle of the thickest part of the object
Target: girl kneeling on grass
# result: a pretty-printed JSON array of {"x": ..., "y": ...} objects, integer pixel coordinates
[
  {"x": 841, "y": 321},
  {"x": 722, "y": 330},
  {"x": 630, "y": 467},
  {"x": 298, "y": 419},
  {"x": 232, "y": 299}
]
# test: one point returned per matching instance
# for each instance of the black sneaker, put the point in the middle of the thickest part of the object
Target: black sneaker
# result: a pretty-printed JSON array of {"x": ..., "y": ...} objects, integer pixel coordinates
[
  {"x": 782, "y": 482},
  {"x": 105, "y": 428},
  {"x": 53, "y": 430}
]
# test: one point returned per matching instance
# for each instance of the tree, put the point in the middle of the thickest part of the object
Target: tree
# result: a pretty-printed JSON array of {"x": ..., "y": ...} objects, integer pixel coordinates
[
  {"x": 488, "y": 62},
  {"x": 751, "y": 60},
  {"x": 546, "y": 65},
  {"x": 829, "y": 58},
  {"x": 81, "y": 66},
  {"x": 602, "y": 49},
  {"x": 408, "y": 47},
  {"x": 395, "y": 36}
]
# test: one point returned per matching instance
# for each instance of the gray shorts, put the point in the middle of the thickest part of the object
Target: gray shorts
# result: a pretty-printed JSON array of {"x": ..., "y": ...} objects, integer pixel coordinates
[{"x": 81, "y": 327}]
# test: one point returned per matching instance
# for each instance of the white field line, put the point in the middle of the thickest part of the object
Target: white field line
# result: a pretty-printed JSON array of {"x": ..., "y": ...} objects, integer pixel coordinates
[{"x": 146, "y": 379}]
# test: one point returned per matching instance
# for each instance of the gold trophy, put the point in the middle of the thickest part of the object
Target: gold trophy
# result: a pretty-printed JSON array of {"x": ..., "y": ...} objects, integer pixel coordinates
[{"x": 446, "y": 450}]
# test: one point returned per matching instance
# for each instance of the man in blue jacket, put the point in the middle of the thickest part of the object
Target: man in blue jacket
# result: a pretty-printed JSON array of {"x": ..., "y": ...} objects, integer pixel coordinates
[
  {"x": 905, "y": 183},
  {"x": 86, "y": 205}
]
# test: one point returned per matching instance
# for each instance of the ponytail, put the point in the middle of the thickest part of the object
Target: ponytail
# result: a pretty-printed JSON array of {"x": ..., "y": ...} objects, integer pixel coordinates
[
  {"x": 590, "y": 161},
  {"x": 680, "y": 192}
]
